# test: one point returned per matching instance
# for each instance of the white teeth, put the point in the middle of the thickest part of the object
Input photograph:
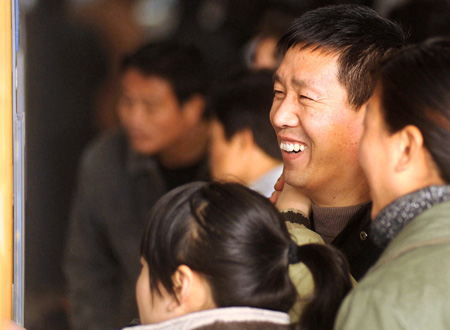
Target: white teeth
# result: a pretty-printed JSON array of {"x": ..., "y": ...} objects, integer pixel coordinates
[{"x": 290, "y": 147}]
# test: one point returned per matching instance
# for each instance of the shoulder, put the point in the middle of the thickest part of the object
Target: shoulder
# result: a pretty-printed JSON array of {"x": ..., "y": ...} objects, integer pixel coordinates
[
  {"x": 225, "y": 318},
  {"x": 107, "y": 151},
  {"x": 109, "y": 144},
  {"x": 408, "y": 291},
  {"x": 302, "y": 235},
  {"x": 300, "y": 275},
  {"x": 426, "y": 235}
]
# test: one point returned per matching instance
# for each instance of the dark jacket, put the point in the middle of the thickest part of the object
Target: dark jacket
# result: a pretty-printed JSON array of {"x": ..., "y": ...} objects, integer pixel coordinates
[
  {"x": 354, "y": 241},
  {"x": 116, "y": 189}
]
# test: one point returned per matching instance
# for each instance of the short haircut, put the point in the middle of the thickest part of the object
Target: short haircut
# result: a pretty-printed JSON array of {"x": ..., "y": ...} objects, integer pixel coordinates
[
  {"x": 242, "y": 102},
  {"x": 415, "y": 90},
  {"x": 182, "y": 65},
  {"x": 359, "y": 37}
]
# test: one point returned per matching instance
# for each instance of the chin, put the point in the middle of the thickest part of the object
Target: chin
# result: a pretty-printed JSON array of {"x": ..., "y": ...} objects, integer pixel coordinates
[
  {"x": 293, "y": 178},
  {"x": 143, "y": 149}
]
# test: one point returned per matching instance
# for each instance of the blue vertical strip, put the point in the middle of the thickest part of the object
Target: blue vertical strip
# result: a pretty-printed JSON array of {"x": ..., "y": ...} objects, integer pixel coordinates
[
  {"x": 17, "y": 35},
  {"x": 18, "y": 174}
]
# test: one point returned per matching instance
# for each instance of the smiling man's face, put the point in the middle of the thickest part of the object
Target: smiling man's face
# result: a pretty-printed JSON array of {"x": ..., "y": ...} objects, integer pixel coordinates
[{"x": 310, "y": 112}]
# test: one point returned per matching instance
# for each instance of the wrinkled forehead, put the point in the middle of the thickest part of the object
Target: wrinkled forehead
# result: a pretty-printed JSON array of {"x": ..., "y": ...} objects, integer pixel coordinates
[{"x": 300, "y": 57}]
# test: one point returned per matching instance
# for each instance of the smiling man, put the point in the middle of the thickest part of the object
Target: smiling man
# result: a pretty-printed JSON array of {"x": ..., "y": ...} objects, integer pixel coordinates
[
  {"x": 162, "y": 144},
  {"x": 320, "y": 93}
]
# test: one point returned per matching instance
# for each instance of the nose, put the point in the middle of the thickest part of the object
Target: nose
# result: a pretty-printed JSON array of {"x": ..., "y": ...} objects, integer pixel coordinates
[
  {"x": 136, "y": 115},
  {"x": 285, "y": 113},
  {"x": 131, "y": 114}
]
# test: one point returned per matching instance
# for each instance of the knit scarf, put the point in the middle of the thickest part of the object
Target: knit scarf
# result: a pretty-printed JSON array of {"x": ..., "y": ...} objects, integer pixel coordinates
[{"x": 390, "y": 221}]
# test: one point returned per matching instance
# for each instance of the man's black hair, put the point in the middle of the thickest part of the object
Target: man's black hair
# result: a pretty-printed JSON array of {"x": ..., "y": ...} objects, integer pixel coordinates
[
  {"x": 357, "y": 35},
  {"x": 182, "y": 65},
  {"x": 243, "y": 102}
]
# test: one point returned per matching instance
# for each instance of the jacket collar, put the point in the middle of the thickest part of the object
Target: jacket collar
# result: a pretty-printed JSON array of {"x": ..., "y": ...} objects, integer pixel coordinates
[
  {"x": 390, "y": 221},
  {"x": 210, "y": 316},
  {"x": 137, "y": 164}
]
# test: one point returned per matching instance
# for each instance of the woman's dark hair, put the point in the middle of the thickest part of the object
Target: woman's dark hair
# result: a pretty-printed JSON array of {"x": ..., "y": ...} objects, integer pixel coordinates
[
  {"x": 357, "y": 35},
  {"x": 332, "y": 282},
  {"x": 239, "y": 242},
  {"x": 414, "y": 89}
]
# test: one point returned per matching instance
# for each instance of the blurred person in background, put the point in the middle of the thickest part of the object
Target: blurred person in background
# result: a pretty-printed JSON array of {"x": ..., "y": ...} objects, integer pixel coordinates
[
  {"x": 244, "y": 146},
  {"x": 261, "y": 52},
  {"x": 162, "y": 144}
]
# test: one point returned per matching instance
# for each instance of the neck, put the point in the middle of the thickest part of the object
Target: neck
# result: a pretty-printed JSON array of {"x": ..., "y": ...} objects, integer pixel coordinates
[
  {"x": 350, "y": 192},
  {"x": 189, "y": 150},
  {"x": 330, "y": 221},
  {"x": 260, "y": 163}
]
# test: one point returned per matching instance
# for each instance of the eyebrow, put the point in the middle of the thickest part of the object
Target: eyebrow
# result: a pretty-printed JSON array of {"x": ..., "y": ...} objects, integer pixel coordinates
[
  {"x": 296, "y": 82},
  {"x": 276, "y": 77},
  {"x": 299, "y": 82}
]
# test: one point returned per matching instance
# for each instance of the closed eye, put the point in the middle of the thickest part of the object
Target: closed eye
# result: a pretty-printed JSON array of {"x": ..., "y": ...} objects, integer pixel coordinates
[
  {"x": 278, "y": 93},
  {"x": 304, "y": 97}
]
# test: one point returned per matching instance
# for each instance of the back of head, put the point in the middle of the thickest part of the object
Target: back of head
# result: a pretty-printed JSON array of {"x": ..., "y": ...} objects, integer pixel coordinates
[
  {"x": 238, "y": 241},
  {"x": 243, "y": 102},
  {"x": 357, "y": 35},
  {"x": 182, "y": 65},
  {"x": 415, "y": 90},
  {"x": 231, "y": 235}
]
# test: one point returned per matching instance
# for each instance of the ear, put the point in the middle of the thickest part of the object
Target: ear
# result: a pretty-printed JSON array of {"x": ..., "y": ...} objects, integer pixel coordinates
[
  {"x": 192, "y": 290},
  {"x": 409, "y": 147},
  {"x": 193, "y": 109},
  {"x": 182, "y": 279}
]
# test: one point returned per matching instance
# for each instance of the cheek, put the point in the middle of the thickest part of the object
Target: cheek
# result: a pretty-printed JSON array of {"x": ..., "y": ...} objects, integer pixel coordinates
[
  {"x": 372, "y": 160},
  {"x": 215, "y": 159},
  {"x": 344, "y": 136},
  {"x": 124, "y": 114},
  {"x": 167, "y": 129},
  {"x": 363, "y": 154},
  {"x": 143, "y": 297},
  {"x": 166, "y": 119},
  {"x": 220, "y": 162}
]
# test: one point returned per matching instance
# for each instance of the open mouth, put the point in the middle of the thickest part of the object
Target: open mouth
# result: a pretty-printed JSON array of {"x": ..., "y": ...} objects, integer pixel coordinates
[{"x": 293, "y": 148}]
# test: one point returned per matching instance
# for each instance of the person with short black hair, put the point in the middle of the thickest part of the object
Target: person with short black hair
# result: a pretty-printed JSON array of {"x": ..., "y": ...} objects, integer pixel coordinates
[
  {"x": 162, "y": 144},
  {"x": 244, "y": 146},
  {"x": 321, "y": 90}
]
